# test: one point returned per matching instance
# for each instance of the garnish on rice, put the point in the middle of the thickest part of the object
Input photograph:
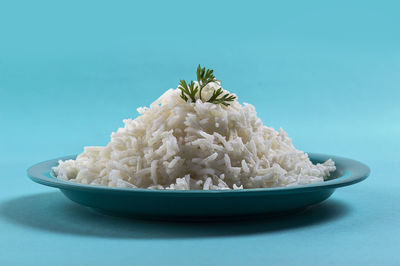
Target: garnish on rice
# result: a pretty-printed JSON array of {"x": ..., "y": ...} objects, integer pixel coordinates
[{"x": 204, "y": 77}]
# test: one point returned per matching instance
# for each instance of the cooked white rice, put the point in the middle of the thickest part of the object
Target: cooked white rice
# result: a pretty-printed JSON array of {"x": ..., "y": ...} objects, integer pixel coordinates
[{"x": 179, "y": 145}]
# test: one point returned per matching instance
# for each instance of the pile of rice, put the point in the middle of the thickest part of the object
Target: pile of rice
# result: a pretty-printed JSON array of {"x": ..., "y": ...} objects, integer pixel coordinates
[{"x": 181, "y": 145}]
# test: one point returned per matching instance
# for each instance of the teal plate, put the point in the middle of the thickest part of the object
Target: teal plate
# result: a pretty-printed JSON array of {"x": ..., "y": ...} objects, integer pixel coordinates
[{"x": 203, "y": 204}]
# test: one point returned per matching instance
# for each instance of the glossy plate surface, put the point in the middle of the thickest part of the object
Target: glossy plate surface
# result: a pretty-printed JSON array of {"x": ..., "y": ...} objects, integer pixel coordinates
[{"x": 199, "y": 204}]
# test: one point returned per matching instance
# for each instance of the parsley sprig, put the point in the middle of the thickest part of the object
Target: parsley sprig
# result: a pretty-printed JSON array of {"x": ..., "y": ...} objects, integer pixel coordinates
[
  {"x": 204, "y": 77},
  {"x": 222, "y": 100},
  {"x": 188, "y": 91}
]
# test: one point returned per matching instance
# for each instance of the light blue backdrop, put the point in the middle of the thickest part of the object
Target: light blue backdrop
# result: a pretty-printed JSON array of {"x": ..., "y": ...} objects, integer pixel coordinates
[{"x": 328, "y": 72}]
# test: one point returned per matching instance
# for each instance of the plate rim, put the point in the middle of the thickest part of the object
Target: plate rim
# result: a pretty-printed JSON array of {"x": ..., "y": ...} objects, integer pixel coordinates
[{"x": 355, "y": 172}]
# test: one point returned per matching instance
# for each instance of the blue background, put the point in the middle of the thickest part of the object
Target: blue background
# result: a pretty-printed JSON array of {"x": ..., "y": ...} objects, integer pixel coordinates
[{"x": 328, "y": 72}]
